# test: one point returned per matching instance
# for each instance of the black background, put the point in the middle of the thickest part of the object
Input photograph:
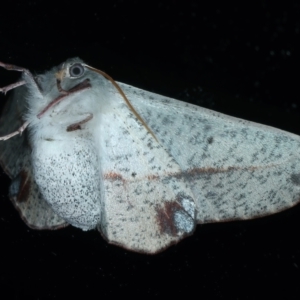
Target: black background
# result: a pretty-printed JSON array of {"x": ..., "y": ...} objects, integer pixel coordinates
[{"x": 241, "y": 60}]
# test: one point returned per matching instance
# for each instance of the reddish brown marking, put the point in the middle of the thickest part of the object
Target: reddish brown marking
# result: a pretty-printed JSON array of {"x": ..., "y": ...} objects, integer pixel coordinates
[
  {"x": 184, "y": 174},
  {"x": 198, "y": 171},
  {"x": 60, "y": 89},
  {"x": 113, "y": 176},
  {"x": 77, "y": 126},
  {"x": 165, "y": 217},
  {"x": 24, "y": 187},
  {"x": 74, "y": 127}
]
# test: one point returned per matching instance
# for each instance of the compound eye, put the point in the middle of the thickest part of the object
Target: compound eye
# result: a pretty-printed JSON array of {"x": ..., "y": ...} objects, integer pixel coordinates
[{"x": 76, "y": 70}]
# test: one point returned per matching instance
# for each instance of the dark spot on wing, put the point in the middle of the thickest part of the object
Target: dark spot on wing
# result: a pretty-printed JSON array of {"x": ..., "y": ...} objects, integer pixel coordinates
[
  {"x": 165, "y": 217},
  {"x": 295, "y": 178},
  {"x": 73, "y": 127},
  {"x": 210, "y": 140}
]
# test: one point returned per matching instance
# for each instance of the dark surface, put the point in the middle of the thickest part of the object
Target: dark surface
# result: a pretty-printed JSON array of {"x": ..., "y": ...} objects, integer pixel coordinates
[{"x": 239, "y": 60}]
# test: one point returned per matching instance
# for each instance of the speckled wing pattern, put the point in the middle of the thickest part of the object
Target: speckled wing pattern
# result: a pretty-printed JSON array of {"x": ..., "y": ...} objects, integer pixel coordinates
[
  {"x": 16, "y": 161},
  {"x": 144, "y": 207},
  {"x": 235, "y": 169},
  {"x": 203, "y": 167}
]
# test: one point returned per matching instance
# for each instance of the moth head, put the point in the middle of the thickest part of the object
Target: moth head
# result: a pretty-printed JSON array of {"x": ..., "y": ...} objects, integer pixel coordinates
[
  {"x": 63, "y": 88},
  {"x": 74, "y": 71},
  {"x": 65, "y": 92},
  {"x": 61, "y": 97}
]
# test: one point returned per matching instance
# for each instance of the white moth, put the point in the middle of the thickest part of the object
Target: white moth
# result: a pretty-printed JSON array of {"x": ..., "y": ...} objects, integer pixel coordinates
[{"x": 142, "y": 168}]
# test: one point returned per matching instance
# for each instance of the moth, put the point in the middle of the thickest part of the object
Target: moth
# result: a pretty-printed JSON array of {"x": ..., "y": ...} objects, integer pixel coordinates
[{"x": 143, "y": 169}]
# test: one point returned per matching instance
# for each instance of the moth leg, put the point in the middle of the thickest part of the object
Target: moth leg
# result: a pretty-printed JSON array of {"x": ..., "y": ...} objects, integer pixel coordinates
[
  {"x": 12, "y": 86},
  {"x": 18, "y": 131},
  {"x": 18, "y": 69},
  {"x": 10, "y": 67},
  {"x": 77, "y": 126}
]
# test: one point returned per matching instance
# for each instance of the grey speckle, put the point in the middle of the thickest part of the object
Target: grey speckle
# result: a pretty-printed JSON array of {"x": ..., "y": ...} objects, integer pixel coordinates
[
  {"x": 210, "y": 140},
  {"x": 295, "y": 178}
]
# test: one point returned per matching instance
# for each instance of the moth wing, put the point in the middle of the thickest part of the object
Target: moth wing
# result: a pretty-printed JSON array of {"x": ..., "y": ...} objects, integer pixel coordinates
[
  {"x": 144, "y": 207},
  {"x": 236, "y": 169},
  {"x": 15, "y": 159}
]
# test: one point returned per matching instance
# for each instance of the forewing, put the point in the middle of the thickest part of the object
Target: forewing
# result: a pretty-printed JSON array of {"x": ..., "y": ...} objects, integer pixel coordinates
[
  {"x": 145, "y": 207},
  {"x": 15, "y": 158},
  {"x": 236, "y": 169}
]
